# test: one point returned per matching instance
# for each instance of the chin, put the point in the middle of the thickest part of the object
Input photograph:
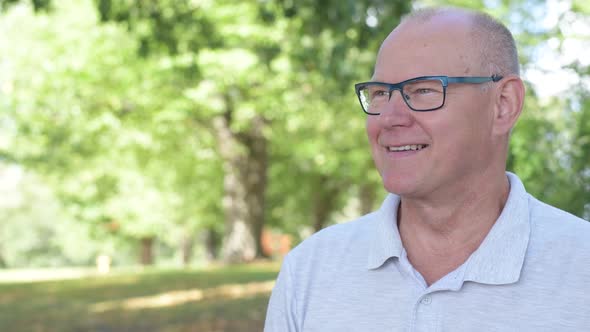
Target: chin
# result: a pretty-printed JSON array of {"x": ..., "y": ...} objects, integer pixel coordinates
[{"x": 398, "y": 186}]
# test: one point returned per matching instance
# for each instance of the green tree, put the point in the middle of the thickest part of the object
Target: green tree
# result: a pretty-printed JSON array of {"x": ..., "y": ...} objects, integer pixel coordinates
[{"x": 95, "y": 118}]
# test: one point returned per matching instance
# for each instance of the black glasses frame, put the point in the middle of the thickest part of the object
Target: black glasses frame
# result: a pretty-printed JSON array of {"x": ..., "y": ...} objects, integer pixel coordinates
[{"x": 445, "y": 80}]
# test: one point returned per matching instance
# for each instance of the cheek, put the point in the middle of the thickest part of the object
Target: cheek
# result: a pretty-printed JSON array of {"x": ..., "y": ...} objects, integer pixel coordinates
[
  {"x": 466, "y": 135},
  {"x": 469, "y": 114},
  {"x": 372, "y": 129}
]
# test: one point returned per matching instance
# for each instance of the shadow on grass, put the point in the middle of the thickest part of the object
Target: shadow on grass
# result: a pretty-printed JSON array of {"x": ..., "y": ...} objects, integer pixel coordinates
[
  {"x": 70, "y": 305},
  {"x": 245, "y": 314}
]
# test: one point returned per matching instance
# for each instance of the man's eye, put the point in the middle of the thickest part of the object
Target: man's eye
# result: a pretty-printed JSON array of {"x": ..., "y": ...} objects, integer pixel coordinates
[
  {"x": 424, "y": 91},
  {"x": 379, "y": 93}
]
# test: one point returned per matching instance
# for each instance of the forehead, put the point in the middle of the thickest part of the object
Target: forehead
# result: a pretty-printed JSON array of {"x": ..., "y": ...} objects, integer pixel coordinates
[{"x": 442, "y": 45}]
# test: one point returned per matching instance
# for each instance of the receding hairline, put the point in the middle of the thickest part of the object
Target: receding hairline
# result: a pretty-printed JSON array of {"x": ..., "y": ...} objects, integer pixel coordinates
[{"x": 496, "y": 44}]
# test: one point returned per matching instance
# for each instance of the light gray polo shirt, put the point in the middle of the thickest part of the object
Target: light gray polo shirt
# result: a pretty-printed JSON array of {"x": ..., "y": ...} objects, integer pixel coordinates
[{"x": 531, "y": 273}]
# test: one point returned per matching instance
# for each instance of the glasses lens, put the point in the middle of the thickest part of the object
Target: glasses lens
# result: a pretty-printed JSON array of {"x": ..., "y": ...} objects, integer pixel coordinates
[
  {"x": 422, "y": 95},
  {"x": 374, "y": 97}
]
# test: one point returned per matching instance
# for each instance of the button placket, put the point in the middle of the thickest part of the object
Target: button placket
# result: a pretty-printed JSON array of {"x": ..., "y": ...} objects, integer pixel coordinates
[{"x": 426, "y": 314}]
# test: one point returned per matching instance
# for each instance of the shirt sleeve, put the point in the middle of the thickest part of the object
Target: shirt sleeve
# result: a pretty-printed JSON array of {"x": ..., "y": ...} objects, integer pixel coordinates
[{"x": 281, "y": 313}]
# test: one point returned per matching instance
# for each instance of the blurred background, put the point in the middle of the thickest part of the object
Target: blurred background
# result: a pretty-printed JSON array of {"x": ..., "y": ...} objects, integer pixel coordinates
[{"x": 158, "y": 158}]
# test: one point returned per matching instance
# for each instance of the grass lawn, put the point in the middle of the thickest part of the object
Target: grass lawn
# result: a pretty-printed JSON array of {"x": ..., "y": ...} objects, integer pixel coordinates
[{"x": 217, "y": 299}]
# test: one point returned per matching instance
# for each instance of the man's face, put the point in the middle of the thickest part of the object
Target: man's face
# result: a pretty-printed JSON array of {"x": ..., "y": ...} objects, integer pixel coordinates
[{"x": 458, "y": 140}]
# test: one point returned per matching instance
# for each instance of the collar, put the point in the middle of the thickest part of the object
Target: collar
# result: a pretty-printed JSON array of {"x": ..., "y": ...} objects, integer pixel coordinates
[
  {"x": 498, "y": 260},
  {"x": 386, "y": 240},
  {"x": 500, "y": 257}
]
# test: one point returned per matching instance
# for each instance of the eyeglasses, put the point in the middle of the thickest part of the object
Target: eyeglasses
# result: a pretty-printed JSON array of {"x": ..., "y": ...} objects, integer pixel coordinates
[{"x": 421, "y": 94}]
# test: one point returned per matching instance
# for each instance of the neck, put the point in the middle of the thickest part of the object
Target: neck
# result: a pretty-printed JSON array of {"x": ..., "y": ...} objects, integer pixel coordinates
[{"x": 440, "y": 234}]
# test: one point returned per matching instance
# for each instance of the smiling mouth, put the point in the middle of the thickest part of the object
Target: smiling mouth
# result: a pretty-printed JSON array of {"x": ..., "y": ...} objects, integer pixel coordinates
[{"x": 412, "y": 147}]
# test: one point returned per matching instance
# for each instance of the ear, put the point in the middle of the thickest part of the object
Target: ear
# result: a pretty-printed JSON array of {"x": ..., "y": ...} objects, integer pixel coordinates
[{"x": 509, "y": 102}]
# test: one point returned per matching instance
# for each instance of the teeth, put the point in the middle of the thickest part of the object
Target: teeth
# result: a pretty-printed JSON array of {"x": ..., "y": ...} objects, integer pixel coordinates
[{"x": 413, "y": 147}]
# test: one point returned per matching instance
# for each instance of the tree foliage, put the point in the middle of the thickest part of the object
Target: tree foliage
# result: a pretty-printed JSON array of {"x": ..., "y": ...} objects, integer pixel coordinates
[{"x": 161, "y": 120}]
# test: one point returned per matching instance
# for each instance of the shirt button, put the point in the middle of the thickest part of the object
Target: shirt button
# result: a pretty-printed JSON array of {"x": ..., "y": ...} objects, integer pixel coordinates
[{"x": 426, "y": 300}]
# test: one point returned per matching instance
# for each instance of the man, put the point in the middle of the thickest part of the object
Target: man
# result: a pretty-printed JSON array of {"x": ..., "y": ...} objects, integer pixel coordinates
[{"x": 458, "y": 245}]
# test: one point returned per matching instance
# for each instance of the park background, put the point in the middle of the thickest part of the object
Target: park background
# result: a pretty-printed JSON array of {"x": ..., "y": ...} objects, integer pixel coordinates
[{"x": 188, "y": 144}]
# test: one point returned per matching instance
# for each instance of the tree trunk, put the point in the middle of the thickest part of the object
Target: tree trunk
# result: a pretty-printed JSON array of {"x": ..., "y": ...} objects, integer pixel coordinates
[
  {"x": 188, "y": 243},
  {"x": 245, "y": 165},
  {"x": 367, "y": 197},
  {"x": 147, "y": 251},
  {"x": 325, "y": 195},
  {"x": 212, "y": 242}
]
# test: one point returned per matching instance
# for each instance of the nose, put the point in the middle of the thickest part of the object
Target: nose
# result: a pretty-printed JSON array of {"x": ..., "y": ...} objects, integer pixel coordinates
[{"x": 397, "y": 112}]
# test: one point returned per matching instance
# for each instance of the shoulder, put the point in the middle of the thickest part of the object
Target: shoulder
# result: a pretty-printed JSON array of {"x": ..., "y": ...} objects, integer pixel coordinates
[
  {"x": 550, "y": 221},
  {"x": 558, "y": 237},
  {"x": 311, "y": 271},
  {"x": 333, "y": 251},
  {"x": 337, "y": 239}
]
